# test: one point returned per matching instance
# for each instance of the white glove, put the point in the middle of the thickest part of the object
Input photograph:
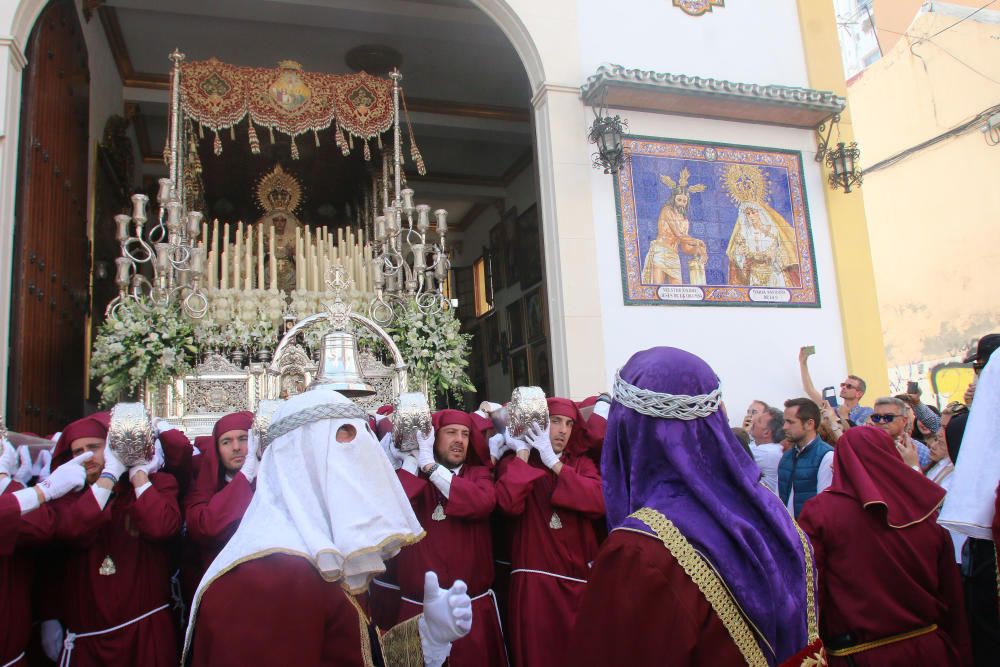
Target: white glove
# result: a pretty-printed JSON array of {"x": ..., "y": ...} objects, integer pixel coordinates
[
  {"x": 498, "y": 446},
  {"x": 447, "y": 616},
  {"x": 410, "y": 464},
  {"x": 389, "y": 447},
  {"x": 8, "y": 458},
  {"x": 70, "y": 476},
  {"x": 112, "y": 464},
  {"x": 23, "y": 472},
  {"x": 251, "y": 462},
  {"x": 52, "y": 639},
  {"x": 41, "y": 467},
  {"x": 425, "y": 453},
  {"x": 517, "y": 444},
  {"x": 162, "y": 426},
  {"x": 539, "y": 440},
  {"x": 149, "y": 468}
]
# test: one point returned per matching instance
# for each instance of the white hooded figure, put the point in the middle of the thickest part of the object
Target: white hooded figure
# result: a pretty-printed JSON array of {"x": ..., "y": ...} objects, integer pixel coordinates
[{"x": 328, "y": 512}]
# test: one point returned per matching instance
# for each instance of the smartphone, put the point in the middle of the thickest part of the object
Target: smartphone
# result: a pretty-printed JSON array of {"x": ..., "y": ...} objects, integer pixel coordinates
[
  {"x": 912, "y": 387},
  {"x": 809, "y": 349},
  {"x": 830, "y": 396}
]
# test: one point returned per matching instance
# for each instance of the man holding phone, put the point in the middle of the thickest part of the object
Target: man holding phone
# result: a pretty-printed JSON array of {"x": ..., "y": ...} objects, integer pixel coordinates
[{"x": 851, "y": 391}]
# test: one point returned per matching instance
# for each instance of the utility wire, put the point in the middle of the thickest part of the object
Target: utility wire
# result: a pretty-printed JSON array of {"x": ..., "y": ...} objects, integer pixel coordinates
[
  {"x": 964, "y": 18},
  {"x": 956, "y": 131}
]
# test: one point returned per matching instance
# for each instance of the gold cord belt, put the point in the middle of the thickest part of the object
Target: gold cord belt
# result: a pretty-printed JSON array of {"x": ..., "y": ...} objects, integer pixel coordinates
[{"x": 878, "y": 643}]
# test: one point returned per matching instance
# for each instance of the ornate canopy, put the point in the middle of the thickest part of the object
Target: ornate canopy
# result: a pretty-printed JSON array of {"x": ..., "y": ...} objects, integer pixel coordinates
[{"x": 216, "y": 95}]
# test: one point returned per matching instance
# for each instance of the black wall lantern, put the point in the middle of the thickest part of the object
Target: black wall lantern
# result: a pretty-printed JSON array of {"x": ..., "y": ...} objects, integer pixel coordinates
[
  {"x": 843, "y": 161},
  {"x": 843, "y": 164},
  {"x": 608, "y": 133}
]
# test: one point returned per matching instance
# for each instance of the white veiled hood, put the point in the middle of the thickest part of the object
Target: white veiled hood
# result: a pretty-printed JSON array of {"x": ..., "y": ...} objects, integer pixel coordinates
[{"x": 338, "y": 505}]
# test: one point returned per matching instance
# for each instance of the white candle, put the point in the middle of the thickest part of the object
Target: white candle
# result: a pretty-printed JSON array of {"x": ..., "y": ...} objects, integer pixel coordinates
[
  {"x": 300, "y": 269},
  {"x": 248, "y": 259},
  {"x": 224, "y": 284},
  {"x": 213, "y": 269},
  {"x": 274, "y": 263},
  {"x": 238, "y": 257},
  {"x": 260, "y": 257}
]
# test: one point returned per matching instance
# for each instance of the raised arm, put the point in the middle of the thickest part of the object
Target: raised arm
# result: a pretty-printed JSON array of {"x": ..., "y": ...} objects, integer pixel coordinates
[{"x": 807, "y": 383}]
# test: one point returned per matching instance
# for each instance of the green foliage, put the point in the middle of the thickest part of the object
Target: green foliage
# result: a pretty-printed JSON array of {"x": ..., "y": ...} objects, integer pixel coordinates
[{"x": 140, "y": 346}]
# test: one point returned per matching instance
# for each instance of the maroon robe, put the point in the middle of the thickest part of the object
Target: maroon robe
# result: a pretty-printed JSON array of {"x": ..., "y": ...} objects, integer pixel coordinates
[
  {"x": 551, "y": 534},
  {"x": 669, "y": 621},
  {"x": 457, "y": 547},
  {"x": 213, "y": 517},
  {"x": 178, "y": 454},
  {"x": 250, "y": 616},
  {"x": 134, "y": 534},
  {"x": 875, "y": 582},
  {"x": 18, "y": 534}
]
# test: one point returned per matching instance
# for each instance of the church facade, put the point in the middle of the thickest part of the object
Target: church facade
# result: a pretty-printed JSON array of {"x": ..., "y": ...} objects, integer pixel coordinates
[{"x": 719, "y": 235}]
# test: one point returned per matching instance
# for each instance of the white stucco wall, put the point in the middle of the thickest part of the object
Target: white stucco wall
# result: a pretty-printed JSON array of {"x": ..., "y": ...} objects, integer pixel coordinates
[
  {"x": 754, "y": 350},
  {"x": 753, "y": 42}
]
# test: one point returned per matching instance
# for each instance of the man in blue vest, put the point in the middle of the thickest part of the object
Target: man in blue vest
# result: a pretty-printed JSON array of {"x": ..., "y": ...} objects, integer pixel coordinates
[{"x": 806, "y": 468}]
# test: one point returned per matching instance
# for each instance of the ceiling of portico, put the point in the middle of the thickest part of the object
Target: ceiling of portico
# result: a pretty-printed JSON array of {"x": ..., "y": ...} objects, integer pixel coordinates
[{"x": 467, "y": 90}]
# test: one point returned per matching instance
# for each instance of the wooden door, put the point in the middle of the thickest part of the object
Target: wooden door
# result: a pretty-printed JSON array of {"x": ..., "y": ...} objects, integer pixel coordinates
[{"x": 51, "y": 273}]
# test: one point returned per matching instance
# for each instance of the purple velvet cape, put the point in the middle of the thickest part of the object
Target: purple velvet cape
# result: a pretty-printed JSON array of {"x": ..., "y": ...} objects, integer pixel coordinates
[{"x": 697, "y": 475}]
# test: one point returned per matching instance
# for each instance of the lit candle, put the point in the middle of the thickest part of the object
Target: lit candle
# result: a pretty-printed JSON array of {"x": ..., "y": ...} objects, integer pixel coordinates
[{"x": 274, "y": 263}]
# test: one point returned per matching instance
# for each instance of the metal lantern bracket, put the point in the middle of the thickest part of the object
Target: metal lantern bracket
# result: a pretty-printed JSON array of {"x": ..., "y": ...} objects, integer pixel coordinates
[
  {"x": 608, "y": 133},
  {"x": 823, "y": 142}
]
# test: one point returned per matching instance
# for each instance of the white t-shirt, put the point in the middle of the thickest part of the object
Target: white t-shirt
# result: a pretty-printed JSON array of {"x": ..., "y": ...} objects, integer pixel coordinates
[{"x": 768, "y": 456}]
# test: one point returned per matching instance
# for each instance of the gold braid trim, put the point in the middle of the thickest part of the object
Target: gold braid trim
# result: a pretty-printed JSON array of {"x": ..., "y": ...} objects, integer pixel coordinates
[
  {"x": 812, "y": 624},
  {"x": 366, "y": 642},
  {"x": 401, "y": 645},
  {"x": 708, "y": 583}
]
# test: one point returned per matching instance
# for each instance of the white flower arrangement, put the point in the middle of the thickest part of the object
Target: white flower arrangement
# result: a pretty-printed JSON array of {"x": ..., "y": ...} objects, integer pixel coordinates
[
  {"x": 435, "y": 349},
  {"x": 142, "y": 346}
]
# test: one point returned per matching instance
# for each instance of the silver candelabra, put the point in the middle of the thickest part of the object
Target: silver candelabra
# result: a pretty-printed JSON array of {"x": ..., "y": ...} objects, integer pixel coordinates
[
  {"x": 408, "y": 265},
  {"x": 169, "y": 246}
]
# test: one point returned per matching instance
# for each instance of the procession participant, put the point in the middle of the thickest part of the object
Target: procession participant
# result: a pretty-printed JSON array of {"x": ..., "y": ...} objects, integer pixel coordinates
[
  {"x": 552, "y": 493},
  {"x": 178, "y": 454},
  {"x": 115, "y": 560},
  {"x": 704, "y": 566},
  {"x": 25, "y": 522},
  {"x": 450, "y": 487},
  {"x": 327, "y": 513},
  {"x": 970, "y": 504},
  {"x": 222, "y": 492},
  {"x": 889, "y": 590}
]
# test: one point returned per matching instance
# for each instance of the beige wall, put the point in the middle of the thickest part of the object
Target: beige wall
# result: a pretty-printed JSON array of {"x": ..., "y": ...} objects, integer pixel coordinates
[
  {"x": 932, "y": 217},
  {"x": 893, "y": 17}
]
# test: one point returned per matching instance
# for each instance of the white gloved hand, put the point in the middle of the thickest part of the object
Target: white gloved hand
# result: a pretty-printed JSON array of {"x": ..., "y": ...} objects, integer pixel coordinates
[
  {"x": 8, "y": 458},
  {"x": 162, "y": 426},
  {"x": 23, "y": 472},
  {"x": 149, "y": 468},
  {"x": 498, "y": 446},
  {"x": 52, "y": 638},
  {"x": 389, "y": 447},
  {"x": 112, "y": 464},
  {"x": 516, "y": 444},
  {"x": 447, "y": 616},
  {"x": 410, "y": 464},
  {"x": 70, "y": 476},
  {"x": 425, "y": 452},
  {"x": 41, "y": 467},
  {"x": 251, "y": 462},
  {"x": 539, "y": 440}
]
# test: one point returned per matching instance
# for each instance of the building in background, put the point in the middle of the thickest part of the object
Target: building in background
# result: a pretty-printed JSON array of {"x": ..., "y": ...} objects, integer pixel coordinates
[{"x": 922, "y": 117}]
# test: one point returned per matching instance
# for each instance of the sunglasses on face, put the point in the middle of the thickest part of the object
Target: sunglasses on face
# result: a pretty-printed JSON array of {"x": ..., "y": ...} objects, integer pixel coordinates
[
  {"x": 884, "y": 419},
  {"x": 844, "y": 385}
]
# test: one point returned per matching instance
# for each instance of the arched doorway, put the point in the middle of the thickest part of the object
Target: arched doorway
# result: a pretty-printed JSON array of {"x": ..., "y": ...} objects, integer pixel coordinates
[
  {"x": 50, "y": 268},
  {"x": 421, "y": 26}
]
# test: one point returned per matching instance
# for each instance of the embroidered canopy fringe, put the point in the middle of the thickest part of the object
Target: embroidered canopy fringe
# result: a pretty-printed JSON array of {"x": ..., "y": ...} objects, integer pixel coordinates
[
  {"x": 218, "y": 95},
  {"x": 665, "y": 406}
]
